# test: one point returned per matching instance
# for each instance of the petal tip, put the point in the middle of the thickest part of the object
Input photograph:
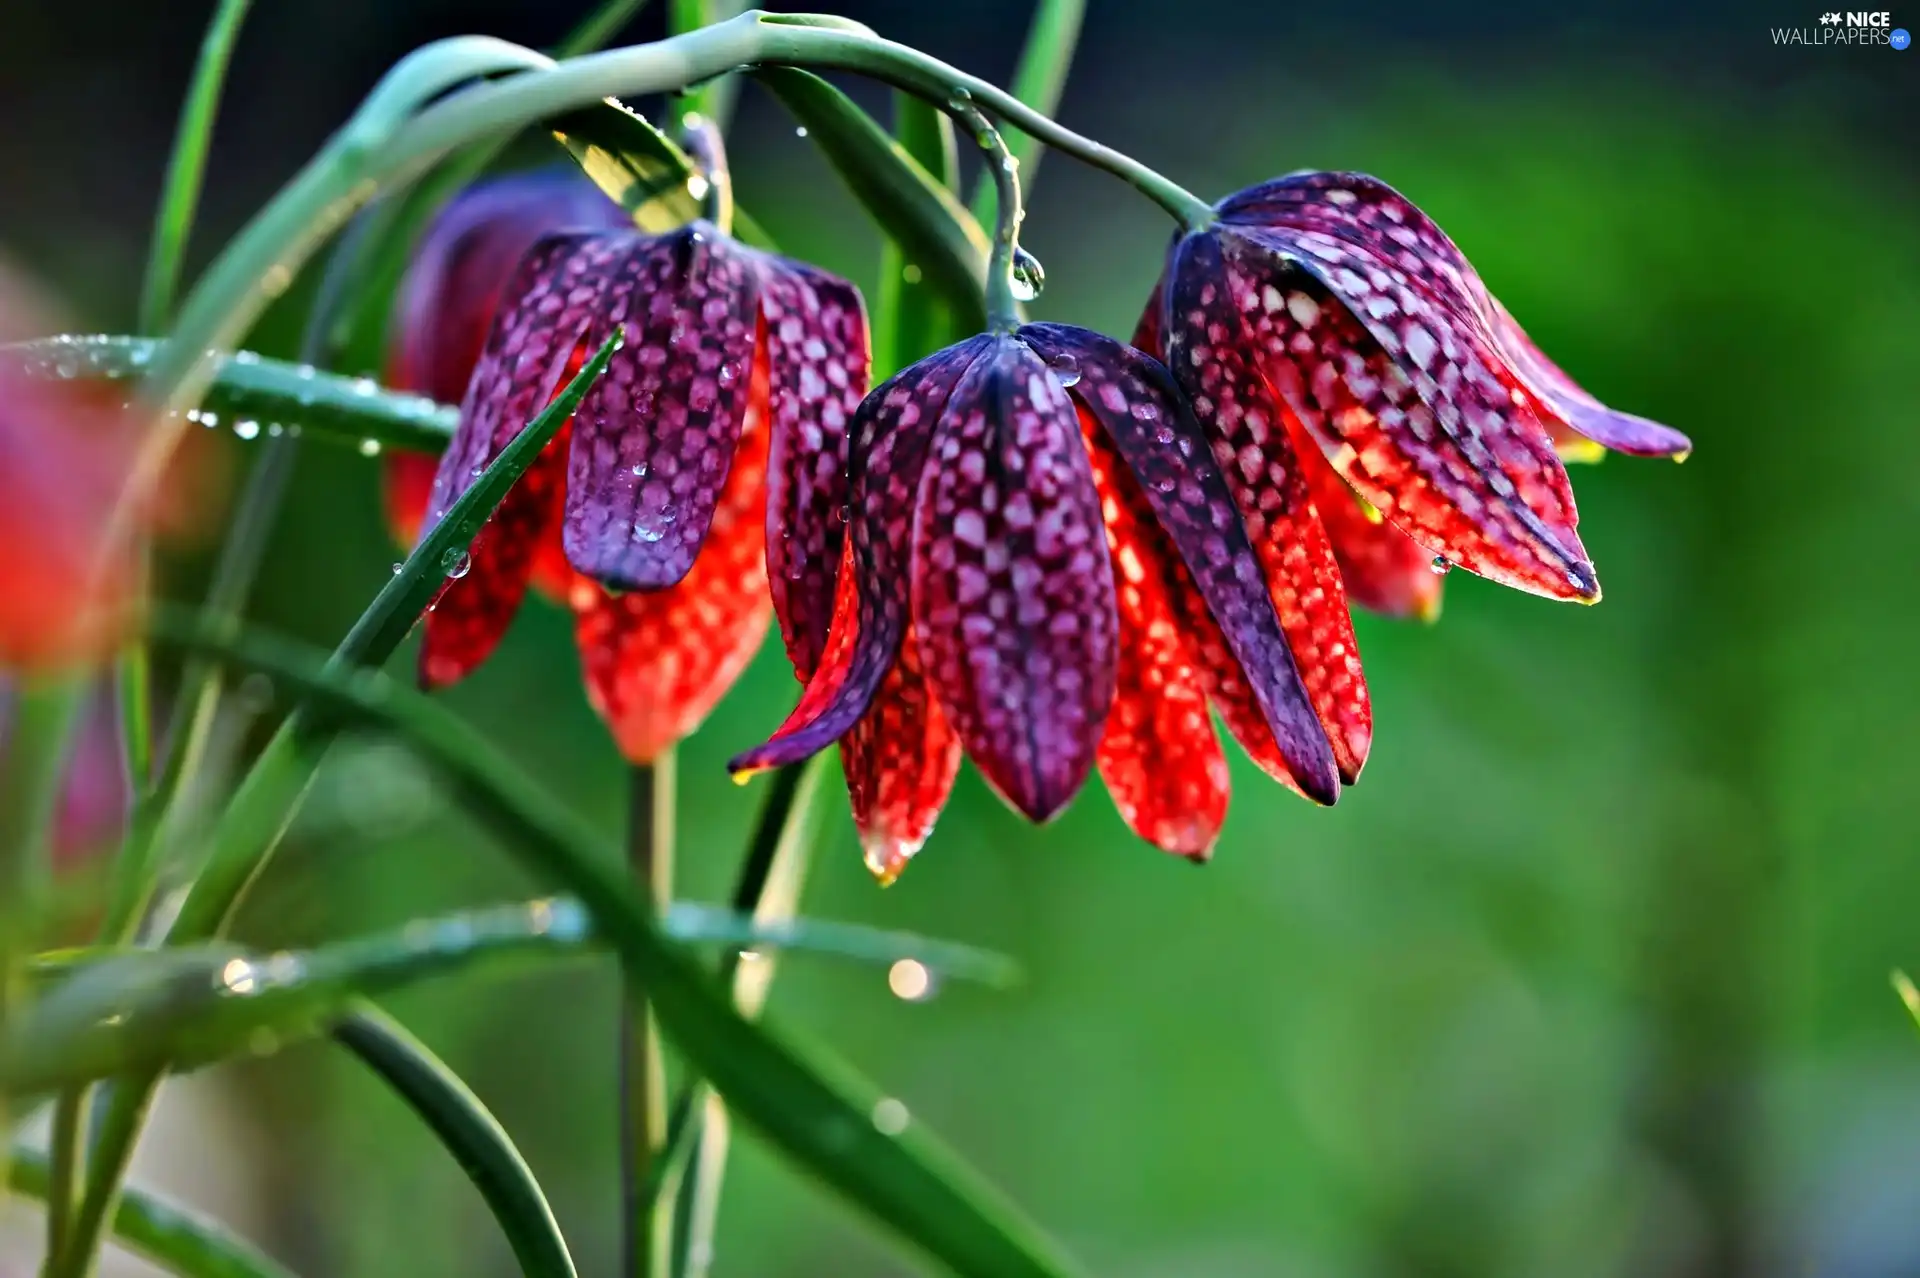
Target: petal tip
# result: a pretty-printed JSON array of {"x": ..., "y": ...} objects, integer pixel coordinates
[{"x": 886, "y": 855}]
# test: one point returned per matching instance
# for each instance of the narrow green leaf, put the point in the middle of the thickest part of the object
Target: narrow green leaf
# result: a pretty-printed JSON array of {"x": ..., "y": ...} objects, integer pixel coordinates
[
  {"x": 830, "y": 1122},
  {"x": 187, "y": 165},
  {"x": 1038, "y": 82},
  {"x": 909, "y": 204},
  {"x": 1909, "y": 995},
  {"x": 470, "y": 1132},
  {"x": 688, "y": 922},
  {"x": 256, "y": 397},
  {"x": 180, "y": 1009},
  {"x": 179, "y": 1241},
  {"x": 910, "y": 319}
]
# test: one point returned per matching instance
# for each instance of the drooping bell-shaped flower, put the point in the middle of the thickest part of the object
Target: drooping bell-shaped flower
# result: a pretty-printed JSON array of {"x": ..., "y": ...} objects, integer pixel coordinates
[
  {"x": 1047, "y": 570},
  {"x": 705, "y": 466},
  {"x": 1323, "y": 318},
  {"x": 452, "y": 290}
]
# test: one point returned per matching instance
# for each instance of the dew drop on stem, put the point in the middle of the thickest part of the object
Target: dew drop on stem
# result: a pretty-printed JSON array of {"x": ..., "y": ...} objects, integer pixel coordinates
[{"x": 1029, "y": 277}]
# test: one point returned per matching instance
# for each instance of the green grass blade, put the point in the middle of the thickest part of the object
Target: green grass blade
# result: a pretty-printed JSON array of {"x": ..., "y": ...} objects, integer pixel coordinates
[
  {"x": 819, "y": 1114},
  {"x": 910, "y": 319},
  {"x": 177, "y": 1240},
  {"x": 256, "y": 397},
  {"x": 910, "y": 205},
  {"x": 1038, "y": 82},
  {"x": 187, "y": 166},
  {"x": 468, "y": 1131},
  {"x": 180, "y": 1009}
]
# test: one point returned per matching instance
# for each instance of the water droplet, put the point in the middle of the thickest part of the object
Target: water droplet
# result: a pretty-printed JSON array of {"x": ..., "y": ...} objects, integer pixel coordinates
[
  {"x": 910, "y": 273},
  {"x": 1066, "y": 369},
  {"x": 306, "y": 372},
  {"x": 800, "y": 132},
  {"x": 369, "y": 448},
  {"x": 247, "y": 428},
  {"x": 396, "y": 569},
  {"x": 646, "y": 532},
  {"x": 66, "y": 368},
  {"x": 365, "y": 386},
  {"x": 239, "y": 977},
  {"x": 845, "y": 513},
  {"x": 890, "y": 1117},
  {"x": 726, "y": 374},
  {"x": 209, "y": 419},
  {"x": 639, "y": 470},
  {"x": 1029, "y": 277},
  {"x": 910, "y": 980},
  {"x": 698, "y": 187},
  {"x": 456, "y": 563},
  {"x": 1441, "y": 565}
]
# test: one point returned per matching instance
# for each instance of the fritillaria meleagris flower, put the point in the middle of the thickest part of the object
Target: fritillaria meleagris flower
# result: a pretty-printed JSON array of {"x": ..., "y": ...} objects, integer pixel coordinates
[
  {"x": 69, "y": 586},
  {"x": 1419, "y": 420},
  {"x": 702, "y": 474},
  {"x": 1046, "y": 569},
  {"x": 451, "y": 291}
]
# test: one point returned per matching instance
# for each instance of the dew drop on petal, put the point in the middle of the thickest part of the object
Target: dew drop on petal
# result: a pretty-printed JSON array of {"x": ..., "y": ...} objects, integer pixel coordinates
[
  {"x": 1066, "y": 369},
  {"x": 1441, "y": 565}
]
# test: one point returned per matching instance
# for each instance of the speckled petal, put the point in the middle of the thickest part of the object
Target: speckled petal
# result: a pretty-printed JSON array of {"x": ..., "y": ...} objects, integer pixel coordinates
[
  {"x": 816, "y": 342},
  {"x": 654, "y": 438},
  {"x": 1138, "y": 409},
  {"x": 900, "y": 761},
  {"x": 454, "y": 287},
  {"x": 1444, "y": 451},
  {"x": 1384, "y": 570},
  {"x": 656, "y": 662},
  {"x": 1012, "y": 583},
  {"x": 1563, "y": 398},
  {"x": 891, "y": 438},
  {"x": 1209, "y": 352},
  {"x": 1159, "y": 756},
  {"x": 534, "y": 343}
]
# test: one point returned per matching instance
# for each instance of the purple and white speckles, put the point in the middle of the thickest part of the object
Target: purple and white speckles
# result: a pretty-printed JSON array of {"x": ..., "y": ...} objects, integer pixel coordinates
[
  {"x": 1138, "y": 408},
  {"x": 655, "y": 437},
  {"x": 1013, "y": 598},
  {"x": 815, "y": 335},
  {"x": 888, "y": 453}
]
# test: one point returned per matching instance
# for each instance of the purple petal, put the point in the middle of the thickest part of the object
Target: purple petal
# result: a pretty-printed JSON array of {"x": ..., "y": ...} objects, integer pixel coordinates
[
  {"x": 1135, "y": 402},
  {"x": 817, "y": 357},
  {"x": 654, "y": 438},
  {"x": 1013, "y": 601},
  {"x": 891, "y": 438},
  {"x": 1622, "y": 432}
]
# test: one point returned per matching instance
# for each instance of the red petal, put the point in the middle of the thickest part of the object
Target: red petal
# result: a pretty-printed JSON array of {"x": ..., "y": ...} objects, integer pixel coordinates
[
  {"x": 1139, "y": 411},
  {"x": 816, "y": 344},
  {"x": 654, "y": 438},
  {"x": 1160, "y": 757},
  {"x": 656, "y": 662},
  {"x": 900, "y": 761},
  {"x": 1207, "y": 349},
  {"x": 527, "y": 359},
  {"x": 406, "y": 489},
  {"x": 1383, "y": 568},
  {"x": 891, "y": 437},
  {"x": 1012, "y": 583},
  {"x": 1449, "y": 456}
]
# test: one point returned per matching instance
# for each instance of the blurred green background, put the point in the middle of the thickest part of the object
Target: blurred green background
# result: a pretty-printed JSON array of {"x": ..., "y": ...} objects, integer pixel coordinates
[{"x": 1589, "y": 975}]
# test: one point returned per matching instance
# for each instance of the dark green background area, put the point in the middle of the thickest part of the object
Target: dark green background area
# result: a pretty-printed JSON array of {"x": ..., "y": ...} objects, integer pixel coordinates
[{"x": 1589, "y": 975}]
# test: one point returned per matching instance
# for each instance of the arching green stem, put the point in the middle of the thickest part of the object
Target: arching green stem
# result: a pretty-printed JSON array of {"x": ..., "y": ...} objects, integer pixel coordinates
[{"x": 1003, "y": 305}]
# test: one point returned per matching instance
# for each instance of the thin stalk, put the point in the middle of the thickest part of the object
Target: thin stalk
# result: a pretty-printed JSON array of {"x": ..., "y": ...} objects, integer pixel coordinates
[
  {"x": 45, "y": 714},
  {"x": 772, "y": 876},
  {"x": 1037, "y": 81},
  {"x": 1003, "y": 305},
  {"x": 646, "y": 1225},
  {"x": 180, "y": 196}
]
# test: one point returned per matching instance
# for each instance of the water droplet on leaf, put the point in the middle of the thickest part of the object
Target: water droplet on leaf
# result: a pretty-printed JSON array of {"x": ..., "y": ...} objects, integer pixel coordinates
[
  {"x": 456, "y": 564},
  {"x": 369, "y": 448}
]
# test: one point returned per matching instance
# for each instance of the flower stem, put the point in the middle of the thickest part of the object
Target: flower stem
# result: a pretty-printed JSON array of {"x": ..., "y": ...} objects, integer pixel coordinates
[
  {"x": 1003, "y": 305},
  {"x": 646, "y": 1222}
]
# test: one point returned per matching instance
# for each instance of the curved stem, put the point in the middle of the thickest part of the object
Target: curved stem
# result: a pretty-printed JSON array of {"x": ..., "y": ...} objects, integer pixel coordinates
[{"x": 1003, "y": 306}]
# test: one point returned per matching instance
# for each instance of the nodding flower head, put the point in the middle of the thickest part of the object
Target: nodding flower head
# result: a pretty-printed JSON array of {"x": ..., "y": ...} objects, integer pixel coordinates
[
  {"x": 1046, "y": 570},
  {"x": 721, "y": 419},
  {"x": 1373, "y": 404}
]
